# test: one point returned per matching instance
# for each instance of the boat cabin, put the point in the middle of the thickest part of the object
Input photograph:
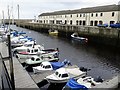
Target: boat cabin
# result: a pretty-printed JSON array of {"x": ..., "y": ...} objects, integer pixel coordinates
[
  {"x": 33, "y": 60},
  {"x": 46, "y": 65},
  {"x": 61, "y": 74}
]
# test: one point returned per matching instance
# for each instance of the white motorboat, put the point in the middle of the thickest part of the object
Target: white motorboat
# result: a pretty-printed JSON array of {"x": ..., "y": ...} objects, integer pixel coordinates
[
  {"x": 39, "y": 51},
  {"x": 19, "y": 41},
  {"x": 44, "y": 66},
  {"x": 75, "y": 36},
  {"x": 47, "y": 66},
  {"x": 38, "y": 59},
  {"x": 25, "y": 46},
  {"x": 63, "y": 74},
  {"x": 26, "y": 52}
]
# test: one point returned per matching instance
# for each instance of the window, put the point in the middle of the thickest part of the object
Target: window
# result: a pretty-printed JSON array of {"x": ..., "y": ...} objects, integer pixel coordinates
[
  {"x": 32, "y": 58},
  {"x": 41, "y": 65},
  {"x": 29, "y": 45},
  {"x": 80, "y": 15},
  {"x": 84, "y": 15},
  {"x": 65, "y": 21},
  {"x": 77, "y": 22},
  {"x": 48, "y": 66},
  {"x": 101, "y": 14},
  {"x": 70, "y": 15},
  {"x": 96, "y": 23},
  {"x": 80, "y": 22},
  {"x": 36, "y": 50},
  {"x": 64, "y": 75},
  {"x": 77, "y": 15},
  {"x": 59, "y": 75},
  {"x": 37, "y": 59},
  {"x": 28, "y": 50},
  {"x": 91, "y": 23},
  {"x": 56, "y": 73},
  {"x": 84, "y": 23},
  {"x": 31, "y": 51},
  {"x": 65, "y": 16},
  {"x": 70, "y": 22},
  {"x": 91, "y": 14},
  {"x": 96, "y": 14},
  {"x": 100, "y": 22},
  {"x": 113, "y": 14}
]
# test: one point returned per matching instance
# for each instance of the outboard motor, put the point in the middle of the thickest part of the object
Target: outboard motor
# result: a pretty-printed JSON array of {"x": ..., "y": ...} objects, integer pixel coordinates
[
  {"x": 69, "y": 63},
  {"x": 98, "y": 79},
  {"x": 65, "y": 61},
  {"x": 83, "y": 69}
]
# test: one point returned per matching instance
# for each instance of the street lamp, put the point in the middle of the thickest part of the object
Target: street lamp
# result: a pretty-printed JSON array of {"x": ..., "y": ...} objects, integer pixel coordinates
[{"x": 119, "y": 12}]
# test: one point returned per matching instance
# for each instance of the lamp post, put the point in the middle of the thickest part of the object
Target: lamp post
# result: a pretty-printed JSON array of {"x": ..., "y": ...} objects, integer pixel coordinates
[
  {"x": 10, "y": 55},
  {"x": 119, "y": 12}
]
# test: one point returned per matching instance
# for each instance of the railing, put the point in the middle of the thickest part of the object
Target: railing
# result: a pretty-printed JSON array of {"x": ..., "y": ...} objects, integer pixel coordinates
[{"x": 5, "y": 78}]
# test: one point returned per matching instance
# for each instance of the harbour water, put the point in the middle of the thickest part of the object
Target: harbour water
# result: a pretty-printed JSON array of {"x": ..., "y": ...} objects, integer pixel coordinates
[{"x": 102, "y": 60}]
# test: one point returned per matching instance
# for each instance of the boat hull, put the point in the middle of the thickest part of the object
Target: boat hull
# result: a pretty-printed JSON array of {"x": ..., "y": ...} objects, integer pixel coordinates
[{"x": 64, "y": 80}]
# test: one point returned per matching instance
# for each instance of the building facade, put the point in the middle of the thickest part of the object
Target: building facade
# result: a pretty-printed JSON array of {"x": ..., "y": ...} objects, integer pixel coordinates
[{"x": 93, "y": 16}]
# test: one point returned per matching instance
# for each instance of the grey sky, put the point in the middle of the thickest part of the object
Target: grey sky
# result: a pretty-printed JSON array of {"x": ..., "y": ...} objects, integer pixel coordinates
[{"x": 31, "y": 8}]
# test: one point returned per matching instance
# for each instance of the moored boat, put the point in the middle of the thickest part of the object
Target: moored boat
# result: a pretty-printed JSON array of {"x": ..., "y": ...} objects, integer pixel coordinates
[
  {"x": 91, "y": 83},
  {"x": 75, "y": 36},
  {"x": 53, "y": 32},
  {"x": 63, "y": 74},
  {"x": 39, "y": 51},
  {"x": 47, "y": 66},
  {"x": 33, "y": 60}
]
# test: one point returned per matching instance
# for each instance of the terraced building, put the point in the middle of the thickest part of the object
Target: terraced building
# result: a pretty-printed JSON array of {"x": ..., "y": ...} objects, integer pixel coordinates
[{"x": 92, "y": 16}]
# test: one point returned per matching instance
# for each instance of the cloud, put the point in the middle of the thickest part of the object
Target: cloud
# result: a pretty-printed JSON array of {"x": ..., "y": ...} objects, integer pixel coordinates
[{"x": 30, "y": 8}]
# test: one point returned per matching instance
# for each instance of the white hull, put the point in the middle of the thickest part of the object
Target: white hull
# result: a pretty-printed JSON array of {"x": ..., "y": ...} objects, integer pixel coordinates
[
  {"x": 69, "y": 72},
  {"x": 24, "y": 56},
  {"x": 39, "y": 71},
  {"x": 65, "y": 80}
]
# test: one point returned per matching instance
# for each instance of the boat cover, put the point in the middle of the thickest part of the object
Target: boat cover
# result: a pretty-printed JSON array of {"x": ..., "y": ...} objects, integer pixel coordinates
[
  {"x": 57, "y": 65},
  {"x": 20, "y": 33},
  {"x": 73, "y": 85}
]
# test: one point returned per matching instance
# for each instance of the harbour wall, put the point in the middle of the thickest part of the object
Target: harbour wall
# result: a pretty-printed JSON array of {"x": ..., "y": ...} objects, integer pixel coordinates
[{"x": 100, "y": 35}]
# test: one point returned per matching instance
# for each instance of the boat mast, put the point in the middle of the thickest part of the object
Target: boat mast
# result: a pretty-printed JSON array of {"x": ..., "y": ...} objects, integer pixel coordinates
[
  {"x": 8, "y": 19},
  {"x": 12, "y": 16},
  {"x": 18, "y": 14},
  {"x": 3, "y": 18}
]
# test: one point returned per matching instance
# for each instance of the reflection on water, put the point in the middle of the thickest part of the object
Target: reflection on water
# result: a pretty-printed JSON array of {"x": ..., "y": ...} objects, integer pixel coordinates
[{"x": 102, "y": 60}]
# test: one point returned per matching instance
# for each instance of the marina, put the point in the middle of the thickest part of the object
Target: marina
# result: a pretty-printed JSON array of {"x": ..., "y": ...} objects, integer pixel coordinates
[
  {"x": 98, "y": 65},
  {"x": 71, "y": 47}
]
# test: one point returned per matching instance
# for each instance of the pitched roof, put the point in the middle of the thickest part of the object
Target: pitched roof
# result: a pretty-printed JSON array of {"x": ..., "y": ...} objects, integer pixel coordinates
[{"x": 84, "y": 10}]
